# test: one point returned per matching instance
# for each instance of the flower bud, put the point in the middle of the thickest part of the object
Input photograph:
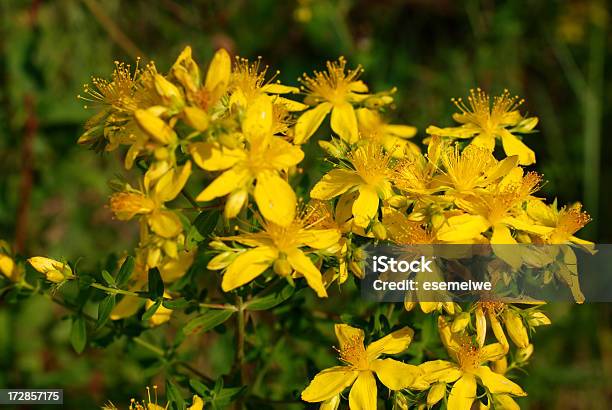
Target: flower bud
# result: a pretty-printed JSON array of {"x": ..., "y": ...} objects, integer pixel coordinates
[
  {"x": 356, "y": 269},
  {"x": 500, "y": 366},
  {"x": 379, "y": 231},
  {"x": 460, "y": 322},
  {"x": 332, "y": 149},
  {"x": 230, "y": 141},
  {"x": 235, "y": 202},
  {"x": 522, "y": 355},
  {"x": 196, "y": 118},
  {"x": 436, "y": 393},
  {"x": 169, "y": 92},
  {"x": 7, "y": 267},
  {"x": 155, "y": 127},
  {"x": 53, "y": 270},
  {"x": 282, "y": 267},
  {"x": 398, "y": 201}
]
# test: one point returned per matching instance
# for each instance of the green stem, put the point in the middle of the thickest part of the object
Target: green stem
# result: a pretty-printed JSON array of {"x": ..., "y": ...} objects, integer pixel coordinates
[
  {"x": 219, "y": 306},
  {"x": 116, "y": 291},
  {"x": 240, "y": 330}
]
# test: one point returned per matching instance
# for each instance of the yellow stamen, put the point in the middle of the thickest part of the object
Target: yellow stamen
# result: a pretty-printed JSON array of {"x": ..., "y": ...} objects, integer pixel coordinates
[{"x": 331, "y": 85}]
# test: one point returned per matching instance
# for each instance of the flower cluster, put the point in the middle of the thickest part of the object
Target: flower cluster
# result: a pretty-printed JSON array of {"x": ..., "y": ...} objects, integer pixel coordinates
[{"x": 236, "y": 134}]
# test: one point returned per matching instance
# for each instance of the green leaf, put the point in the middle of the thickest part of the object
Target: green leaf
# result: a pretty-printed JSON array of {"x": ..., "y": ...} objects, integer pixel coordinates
[
  {"x": 125, "y": 272},
  {"x": 193, "y": 238},
  {"x": 78, "y": 334},
  {"x": 156, "y": 284},
  {"x": 175, "y": 304},
  {"x": 151, "y": 311},
  {"x": 105, "y": 308},
  {"x": 226, "y": 396},
  {"x": 108, "y": 278},
  {"x": 279, "y": 294},
  {"x": 199, "y": 388},
  {"x": 206, "y": 222},
  {"x": 207, "y": 321},
  {"x": 174, "y": 395}
]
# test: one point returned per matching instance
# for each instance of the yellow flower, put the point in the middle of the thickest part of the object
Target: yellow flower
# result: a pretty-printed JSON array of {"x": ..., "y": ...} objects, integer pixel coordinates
[
  {"x": 563, "y": 223},
  {"x": 392, "y": 137},
  {"x": 333, "y": 90},
  {"x": 360, "y": 365},
  {"x": 280, "y": 247},
  {"x": 53, "y": 270},
  {"x": 495, "y": 208},
  {"x": 248, "y": 82},
  {"x": 261, "y": 163},
  {"x": 8, "y": 267},
  {"x": 153, "y": 403},
  {"x": 472, "y": 169},
  {"x": 466, "y": 371},
  {"x": 414, "y": 174},
  {"x": 369, "y": 176},
  {"x": 158, "y": 190},
  {"x": 202, "y": 97},
  {"x": 485, "y": 122}
]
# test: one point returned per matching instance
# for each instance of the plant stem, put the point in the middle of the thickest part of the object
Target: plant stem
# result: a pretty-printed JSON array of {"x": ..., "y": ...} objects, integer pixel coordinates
[
  {"x": 240, "y": 330},
  {"x": 116, "y": 291},
  {"x": 219, "y": 306}
]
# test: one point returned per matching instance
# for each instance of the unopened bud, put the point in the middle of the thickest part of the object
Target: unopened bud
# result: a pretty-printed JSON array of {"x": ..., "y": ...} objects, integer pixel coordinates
[
  {"x": 522, "y": 355},
  {"x": 356, "y": 269},
  {"x": 379, "y": 231},
  {"x": 196, "y": 118},
  {"x": 332, "y": 149},
  {"x": 53, "y": 270},
  {"x": 282, "y": 267},
  {"x": 398, "y": 201},
  {"x": 235, "y": 202}
]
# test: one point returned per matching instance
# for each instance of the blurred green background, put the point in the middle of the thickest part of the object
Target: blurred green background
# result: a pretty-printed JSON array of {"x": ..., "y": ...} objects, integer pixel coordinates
[{"x": 556, "y": 54}]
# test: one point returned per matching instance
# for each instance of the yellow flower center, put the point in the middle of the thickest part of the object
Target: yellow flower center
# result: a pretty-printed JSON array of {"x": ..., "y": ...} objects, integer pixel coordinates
[
  {"x": 468, "y": 357},
  {"x": 249, "y": 77},
  {"x": 127, "y": 204},
  {"x": 331, "y": 85},
  {"x": 285, "y": 238},
  {"x": 353, "y": 354},
  {"x": 117, "y": 92},
  {"x": 492, "y": 307},
  {"x": 569, "y": 221},
  {"x": 371, "y": 163},
  {"x": 498, "y": 204},
  {"x": 467, "y": 169},
  {"x": 479, "y": 111}
]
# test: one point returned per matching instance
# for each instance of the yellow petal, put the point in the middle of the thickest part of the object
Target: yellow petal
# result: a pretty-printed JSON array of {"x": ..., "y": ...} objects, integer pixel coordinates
[
  {"x": 481, "y": 326},
  {"x": 319, "y": 238},
  {"x": 282, "y": 155},
  {"x": 172, "y": 182},
  {"x": 404, "y": 131},
  {"x": 304, "y": 266},
  {"x": 219, "y": 71},
  {"x": 165, "y": 223},
  {"x": 393, "y": 343},
  {"x": 463, "y": 393},
  {"x": 225, "y": 183},
  {"x": 247, "y": 266},
  {"x": 344, "y": 122},
  {"x": 198, "y": 404},
  {"x": 174, "y": 268},
  {"x": 365, "y": 206},
  {"x": 496, "y": 383},
  {"x": 440, "y": 371},
  {"x": 258, "y": 118},
  {"x": 460, "y": 322},
  {"x": 514, "y": 146},
  {"x": 494, "y": 351},
  {"x": 363, "y": 393},
  {"x": 462, "y": 228},
  {"x": 394, "y": 374},
  {"x": 516, "y": 328},
  {"x": 436, "y": 393},
  {"x": 502, "y": 243},
  {"x": 498, "y": 331},
  {"x": 334, "y": 183},
  {"x": 275, "y": 198},
  {"x": 331, "y": 404},
  {"x": 155, "y": 127},
  {"x": 309, "y": 122},
  {"x": 485, "y": 141},
  {"x": 213, "y": 157},
  {"x": 128, "y": 306},
  {"x": 329, "y": 383},
  {"x": 505, "y": 402},
  {"x": 347, "y": 334},
  {"x": 277, "y": 88},
  {"x": 457, "y": 132}
]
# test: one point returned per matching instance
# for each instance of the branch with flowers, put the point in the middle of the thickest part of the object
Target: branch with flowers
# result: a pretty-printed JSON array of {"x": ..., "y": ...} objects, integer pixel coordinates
[{"x": 272, "y": 250}]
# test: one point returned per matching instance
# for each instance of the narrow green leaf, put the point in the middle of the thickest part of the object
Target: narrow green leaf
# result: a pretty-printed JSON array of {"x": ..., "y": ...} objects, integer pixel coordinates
[
  {"x": 278, "y": 295},
  {"x": 228, "y": 395},
  {"x": 206, "y": 221},
  {"x": 78, "y": 334},
  {"x": 174, "y": 395},
  {"x": 125, "y": 272},
  {"x": 156, "y": 284},
  {"x": 108, "y": 278},
  {"x": 151, "y": 311},
  {"x": 199, "y": 388},
  {"x": 175, "y": 304},
  {"x": 104, "y": 309},
  {"x": 207, "y": 321}
]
